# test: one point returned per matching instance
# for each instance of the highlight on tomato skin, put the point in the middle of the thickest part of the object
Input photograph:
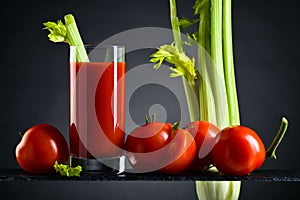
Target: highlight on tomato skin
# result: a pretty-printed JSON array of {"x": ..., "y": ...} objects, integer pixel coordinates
[{"x": 238, "y": 151}]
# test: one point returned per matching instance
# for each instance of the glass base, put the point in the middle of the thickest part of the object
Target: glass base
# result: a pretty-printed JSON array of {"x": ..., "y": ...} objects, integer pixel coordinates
[{"x": 113, "y": 164}]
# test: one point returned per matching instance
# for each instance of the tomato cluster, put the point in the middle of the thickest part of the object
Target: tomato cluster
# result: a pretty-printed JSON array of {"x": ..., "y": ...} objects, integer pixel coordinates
[{"x": 156, "y": 146}]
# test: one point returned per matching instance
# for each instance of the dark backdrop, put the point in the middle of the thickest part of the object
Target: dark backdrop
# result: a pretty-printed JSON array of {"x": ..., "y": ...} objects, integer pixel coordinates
[{"x": 34, "y": 84}]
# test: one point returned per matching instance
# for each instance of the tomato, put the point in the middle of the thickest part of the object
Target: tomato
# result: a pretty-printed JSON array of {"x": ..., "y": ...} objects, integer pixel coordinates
[
  {"x": 157, "y": 147},
  {"x": 39, "y": 148},
  {"x": 143, "y": 145},
  {"x": 180, "y": 152},
  {"x": 204, "y": 134},
  {"x": 238, "y": 151}
]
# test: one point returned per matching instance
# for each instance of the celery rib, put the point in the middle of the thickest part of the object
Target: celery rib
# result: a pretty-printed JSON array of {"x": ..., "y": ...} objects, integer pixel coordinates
[
  {"x": 192, "y": 103},
  {"x": 206, "y": 103},
  {"x": 74, "y": 39},
  {"x": 218, "y": 82},
  {"x": 233, "y": 106}
]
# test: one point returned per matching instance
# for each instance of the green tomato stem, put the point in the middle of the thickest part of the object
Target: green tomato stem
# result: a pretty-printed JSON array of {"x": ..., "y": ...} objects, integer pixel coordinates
[
  {"x": 70, "y": 161},
  {"x": 175, "y": 126},
  {"x": 147, "y": 119},
  {"x": 21, "y": 134},
  {"x": 281, "y": 132},
  {"x": 153, "y": 117}
]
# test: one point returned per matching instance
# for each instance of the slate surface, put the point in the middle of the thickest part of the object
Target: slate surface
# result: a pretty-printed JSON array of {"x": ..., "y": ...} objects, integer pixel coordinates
[{"x": 259, "y": 175}]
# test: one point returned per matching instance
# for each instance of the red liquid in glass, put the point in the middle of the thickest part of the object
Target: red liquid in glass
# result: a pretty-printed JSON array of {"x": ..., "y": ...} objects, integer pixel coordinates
[{"x": 97, "y": 109}]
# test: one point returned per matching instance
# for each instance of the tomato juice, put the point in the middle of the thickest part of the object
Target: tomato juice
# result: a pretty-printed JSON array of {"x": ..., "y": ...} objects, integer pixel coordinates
[{"x": 97, "y": 109}]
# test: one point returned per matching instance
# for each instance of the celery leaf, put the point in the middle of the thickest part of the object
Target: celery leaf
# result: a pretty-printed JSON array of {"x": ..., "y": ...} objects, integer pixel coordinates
[
  {"x": 58, "y": 31},
  {"x": 198, "y": 6},
  {"x": 184, "y": 66},
  {"x": 65, "y": 170},
  {"x": 185, "y": 22}
]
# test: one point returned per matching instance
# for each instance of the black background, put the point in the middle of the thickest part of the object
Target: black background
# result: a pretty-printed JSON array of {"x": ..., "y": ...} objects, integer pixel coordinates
[{"x": 34, "y": 84}]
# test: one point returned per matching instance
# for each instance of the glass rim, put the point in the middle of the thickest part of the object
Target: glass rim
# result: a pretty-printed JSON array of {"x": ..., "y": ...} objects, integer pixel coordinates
[{"x": 100, "y": 45}]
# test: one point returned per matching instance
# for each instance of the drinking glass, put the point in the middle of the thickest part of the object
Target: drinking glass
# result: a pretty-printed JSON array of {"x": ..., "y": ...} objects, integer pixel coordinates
[{"x": 97, "y": 107}]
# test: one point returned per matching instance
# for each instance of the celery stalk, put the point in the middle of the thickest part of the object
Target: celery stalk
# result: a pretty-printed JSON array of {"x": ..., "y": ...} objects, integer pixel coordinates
[
  {"x": 206, "y": 103},
  {"x": 175, "y": 25},
  {"x": 218, "y": 82},
  {"x": 74, "y": 39},
  {"x": 190, "y": 92},
  {"x": 67, "y": 33},
  {"x": 233, "y": 106},
  {"x": 218, "y": 190},
  {"x": 215, "y": 189}
]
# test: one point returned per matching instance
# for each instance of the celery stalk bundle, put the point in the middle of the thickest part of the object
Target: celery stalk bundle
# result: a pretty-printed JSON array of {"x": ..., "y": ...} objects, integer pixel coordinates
[{"x": 216, "y": 97}]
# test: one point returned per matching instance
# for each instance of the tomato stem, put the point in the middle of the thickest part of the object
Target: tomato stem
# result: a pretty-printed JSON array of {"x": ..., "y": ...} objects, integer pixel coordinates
[
  {"x": 21, "y": 134},
  {"x": 187, "y": 126},
  {"x": 147, "y": 119},
  {"x": 70, "y": 160},
  {"x": 272, "y": 149},
  {"x": 153, "y": 117},
  {"x": 175, "y": 126}
]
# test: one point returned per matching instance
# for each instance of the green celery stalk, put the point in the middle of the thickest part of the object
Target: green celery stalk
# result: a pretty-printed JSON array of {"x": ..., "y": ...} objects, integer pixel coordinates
[
  {"x": 218, "y": 81},
  {"x": 219, "y": 190},
  {"x": 175, "y": 25},
  {"x": 232, "y": 100},
  {"x": 190, "y": 91},
  {"x": 206, "y": 103},
  {"x": 210, "y": 29},
  {"x": 67, "y": 33}
]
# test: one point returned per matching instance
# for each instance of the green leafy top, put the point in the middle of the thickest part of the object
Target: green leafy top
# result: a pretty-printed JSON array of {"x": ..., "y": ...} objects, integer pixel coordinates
[
  {"x": 184, "y": 66},
  {"x": 58, "y": 31},
  {"x": 199, "y": 5},
  {"x": 65, "y": 170},
  {"x": 68, "y": 33}
]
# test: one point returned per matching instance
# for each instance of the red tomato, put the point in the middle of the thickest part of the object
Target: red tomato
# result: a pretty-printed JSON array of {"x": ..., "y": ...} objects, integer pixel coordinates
[
  {"x": 180, "y": 152},
  {"x": 144, "y": 143},
  {"x": 204, "y": 134},
  {"x": 156, "y": 147},
  {"x": 39, "y": 148},
  {"x": 238, "y": 151}
]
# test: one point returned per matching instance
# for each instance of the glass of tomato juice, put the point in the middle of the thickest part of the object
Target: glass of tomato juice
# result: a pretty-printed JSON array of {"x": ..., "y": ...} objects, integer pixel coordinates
[{"x": 97, "y": 107}]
